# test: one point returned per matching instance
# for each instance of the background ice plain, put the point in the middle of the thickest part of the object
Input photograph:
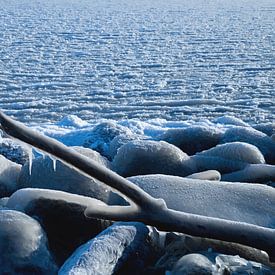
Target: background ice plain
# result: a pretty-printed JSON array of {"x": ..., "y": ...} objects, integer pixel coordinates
[{"x": 143, "y": 59}]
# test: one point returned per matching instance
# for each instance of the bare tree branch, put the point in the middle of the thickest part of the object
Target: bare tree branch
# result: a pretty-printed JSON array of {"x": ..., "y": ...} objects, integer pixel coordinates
[{"x": 146, "y": 209}]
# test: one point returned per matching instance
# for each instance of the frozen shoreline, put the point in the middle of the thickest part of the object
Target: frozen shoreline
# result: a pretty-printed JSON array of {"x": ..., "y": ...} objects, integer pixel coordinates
[{"x": 165, "y": 172}]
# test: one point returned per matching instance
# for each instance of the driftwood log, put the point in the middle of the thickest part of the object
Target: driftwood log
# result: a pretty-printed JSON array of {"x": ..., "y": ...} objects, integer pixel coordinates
[{"x": 143, "y": 207}]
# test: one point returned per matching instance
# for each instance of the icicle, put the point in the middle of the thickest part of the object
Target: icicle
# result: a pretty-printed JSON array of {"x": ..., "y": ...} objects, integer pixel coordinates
[
  {"x": 54, "y": 162},
  {"x": 44, "y": 154},
  {"x": 30, "y": 155},
  {"x": 28, "y": 149},
  {"x": 40, "y": 152},
  {"x": 54, "y": 165}
]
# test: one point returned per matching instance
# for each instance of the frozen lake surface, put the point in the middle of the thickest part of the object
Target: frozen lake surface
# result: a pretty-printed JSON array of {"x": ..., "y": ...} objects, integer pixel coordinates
[{"x": 173, "y": 60}]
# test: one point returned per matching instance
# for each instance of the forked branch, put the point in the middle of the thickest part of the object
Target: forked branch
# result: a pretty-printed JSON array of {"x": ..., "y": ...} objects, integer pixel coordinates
[{"x": 143, "y": 207}]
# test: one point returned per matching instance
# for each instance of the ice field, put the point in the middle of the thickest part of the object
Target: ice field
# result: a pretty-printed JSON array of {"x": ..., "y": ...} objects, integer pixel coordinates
[{"x": 173, "y": 60}]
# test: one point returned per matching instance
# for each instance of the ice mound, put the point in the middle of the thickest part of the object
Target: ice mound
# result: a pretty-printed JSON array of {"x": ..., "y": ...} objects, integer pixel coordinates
[
  {"x": 237, "y": 265},
  {"x": 228, "y": 157},
  {"x": 24, "y": 248},
  {"x": 151, "y": 157},
  {"x": 14, "y": 151},
  {"x": 231, "y": 120},
  {"x": 21, "y": 199},
  {"x": 193, "y": 264},
  {"x": 3, "y": 203},
  {"x": 266, "y": 128},
  {"x": 239, "y": 151},
  {"x": 9, "y": 173},
  {"x": 242, "y": 202},
  {"x": 72, "y": 121},
  {"x": 249, "y": 135},
  {"x": 211, "y": 263},
  {"x": 62, "y": 217},
  {"x": 120, "y": 249},
  {"x": 193, "y": 139},
  {"x": 252, "y": 173},
  {"x": 94, "y": 155},
  {"x": 120, "y": 140},
  {"x": 206, "y": 175},
  {"x": 64, "y": 178},
  {"x": 102, "y": 134}
]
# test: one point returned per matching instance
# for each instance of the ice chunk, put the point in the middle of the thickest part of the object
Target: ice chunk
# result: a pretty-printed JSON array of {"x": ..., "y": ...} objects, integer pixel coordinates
[
  {"x": 214, "y": 263},
  {"x": 193, "y": 139},
  {"x": 193, "y": 264},
  {"x": 73, "y": 121},
  {"x": 64, "y": 178},
  {"x": 24, "y": 247},
  {"x": 177, "y": 245},
  {"x": 231, "y": 120},
  {"x": 249, "y": 135},
  {"x": 28, "y": 150},
  {"x": 13, "y": 150},
  {"x": 228, "y": 157},
  {"x": 9, "y": 173},
  {"x": 93, "y": 155},
  {"x": 262, "y": 173},
  {"x": 102, "y": 134},
  {"x": 206, "y": 175},
  {"x": 266, "y": 128},
  {"x": 121, "y": 246},
  {"x": 237, "y": 265},
  {"x": 3, "y": 203},
  {"x": 20, "y": 199},
  {"x": 120, "y": 140},
  {"x": 152, "y": 157},
  {"x": 59, "y": 212}
]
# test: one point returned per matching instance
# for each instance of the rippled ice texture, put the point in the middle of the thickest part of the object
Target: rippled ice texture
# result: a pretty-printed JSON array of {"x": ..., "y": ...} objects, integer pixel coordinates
[{"x": 137, "y": 59}]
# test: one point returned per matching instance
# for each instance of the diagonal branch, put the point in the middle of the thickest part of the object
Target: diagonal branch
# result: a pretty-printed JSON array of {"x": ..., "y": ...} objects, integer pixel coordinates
[
  {"x": 166, "y": 219},
  {"x": 147, "y": 209},
  {"x": 75, "y": 160}
]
